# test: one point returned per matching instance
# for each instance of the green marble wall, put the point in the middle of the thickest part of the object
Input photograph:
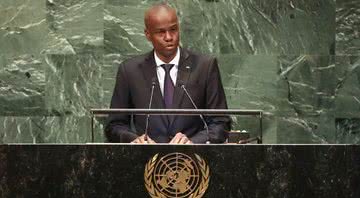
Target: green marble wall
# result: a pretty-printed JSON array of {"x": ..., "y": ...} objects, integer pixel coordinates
[{"x": 299, "y": 61}]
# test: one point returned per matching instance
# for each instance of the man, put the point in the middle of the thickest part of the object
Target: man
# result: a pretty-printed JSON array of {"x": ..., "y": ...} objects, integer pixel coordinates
[{"x": 165, "y": 67}]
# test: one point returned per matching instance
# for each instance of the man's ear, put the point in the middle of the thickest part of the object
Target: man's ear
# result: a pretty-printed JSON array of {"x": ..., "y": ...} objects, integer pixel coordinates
[{"x": 147, "y": 34}]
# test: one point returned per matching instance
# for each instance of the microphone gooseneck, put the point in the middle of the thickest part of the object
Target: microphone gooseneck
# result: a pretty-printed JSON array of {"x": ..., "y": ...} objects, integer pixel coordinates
[
  {"x": 181, "y": 84},
  {"x": 153, "y": 83}
]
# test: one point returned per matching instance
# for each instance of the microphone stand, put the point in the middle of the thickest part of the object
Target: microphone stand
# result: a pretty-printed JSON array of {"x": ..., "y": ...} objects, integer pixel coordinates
[
  {"x": 148, "y": 115},
  {"x": 201, "y": 116}
]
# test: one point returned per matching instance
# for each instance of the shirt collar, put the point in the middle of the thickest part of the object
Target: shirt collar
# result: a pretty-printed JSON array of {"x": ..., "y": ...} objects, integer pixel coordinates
[{"x": 174, "y": 61}]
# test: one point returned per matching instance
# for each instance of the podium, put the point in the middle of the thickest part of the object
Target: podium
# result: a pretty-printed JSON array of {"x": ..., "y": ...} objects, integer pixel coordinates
[
  {"x": 119, "y": 170},
  {"x": 185, "y": 112}
]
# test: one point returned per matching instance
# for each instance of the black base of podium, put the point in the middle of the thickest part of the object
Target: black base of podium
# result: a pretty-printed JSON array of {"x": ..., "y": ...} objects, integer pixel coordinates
[{"x": 235, "y": 170}]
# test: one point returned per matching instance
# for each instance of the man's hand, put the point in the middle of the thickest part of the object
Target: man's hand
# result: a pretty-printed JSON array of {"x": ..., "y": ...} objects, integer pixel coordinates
[
  {"x": 180, "y": 138},
  {"x": 141, "y": 140}
]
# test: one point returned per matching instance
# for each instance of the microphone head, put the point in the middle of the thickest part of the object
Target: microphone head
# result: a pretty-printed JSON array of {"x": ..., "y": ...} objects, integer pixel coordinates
[
  {"x": 153, "y": 81},
  {"x": 180, "y": 83}
]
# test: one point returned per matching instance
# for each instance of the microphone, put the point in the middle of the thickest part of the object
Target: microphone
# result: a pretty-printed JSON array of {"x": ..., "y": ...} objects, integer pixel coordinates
[
  {"x": 153, "y": 83},
  {"x": 182, "y": 85}
]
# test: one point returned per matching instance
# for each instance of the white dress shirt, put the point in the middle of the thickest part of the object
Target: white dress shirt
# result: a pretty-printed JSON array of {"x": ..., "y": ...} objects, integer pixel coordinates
[{"x": 161, "y": 71}]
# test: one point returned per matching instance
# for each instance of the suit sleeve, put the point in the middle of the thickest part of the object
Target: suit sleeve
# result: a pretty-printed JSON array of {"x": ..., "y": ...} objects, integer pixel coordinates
[
  {"x": 118, "y": 125},
  {"x": 215, "y": 99}
]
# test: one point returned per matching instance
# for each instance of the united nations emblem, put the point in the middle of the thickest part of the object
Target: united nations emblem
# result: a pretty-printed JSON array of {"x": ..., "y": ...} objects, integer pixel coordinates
[{"x": 176, "y": 175}]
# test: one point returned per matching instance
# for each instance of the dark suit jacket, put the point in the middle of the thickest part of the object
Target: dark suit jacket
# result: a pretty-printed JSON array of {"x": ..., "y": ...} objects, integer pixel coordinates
[{"x": 199, "y": 73}]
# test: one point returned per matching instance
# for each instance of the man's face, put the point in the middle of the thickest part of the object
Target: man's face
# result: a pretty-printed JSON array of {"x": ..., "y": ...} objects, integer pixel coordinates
[{"x": 163, "y": 32}]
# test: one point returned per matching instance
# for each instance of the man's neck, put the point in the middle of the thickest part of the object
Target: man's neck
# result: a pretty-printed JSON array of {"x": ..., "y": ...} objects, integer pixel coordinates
[
  {"x": 166, "y": 59},
  {"x": 174, "y": 59}
]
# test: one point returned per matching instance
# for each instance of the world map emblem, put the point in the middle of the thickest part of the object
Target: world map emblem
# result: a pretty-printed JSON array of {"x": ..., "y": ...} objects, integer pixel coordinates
[{"x": 176, "y": 175}]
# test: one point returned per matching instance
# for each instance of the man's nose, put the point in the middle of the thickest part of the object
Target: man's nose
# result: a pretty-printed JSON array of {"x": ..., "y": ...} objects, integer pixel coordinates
[{"x": 168, "y": 36}]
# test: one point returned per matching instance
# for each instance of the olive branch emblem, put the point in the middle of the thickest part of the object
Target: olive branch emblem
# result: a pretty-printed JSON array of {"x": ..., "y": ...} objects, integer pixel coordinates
[{"x": 184, "y": 176}]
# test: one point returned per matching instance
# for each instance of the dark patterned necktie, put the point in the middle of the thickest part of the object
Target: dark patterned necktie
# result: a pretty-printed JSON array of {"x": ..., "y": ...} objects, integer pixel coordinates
[{"x": 168, "y": 86}]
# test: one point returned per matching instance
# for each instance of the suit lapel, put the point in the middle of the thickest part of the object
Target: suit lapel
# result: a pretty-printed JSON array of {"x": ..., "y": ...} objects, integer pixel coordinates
[
  {"x": 148, "y": 69},
  {"x": 184, "y": 70}
]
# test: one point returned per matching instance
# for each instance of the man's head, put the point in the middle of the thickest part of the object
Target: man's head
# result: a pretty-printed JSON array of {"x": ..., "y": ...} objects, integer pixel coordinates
[{"x": 162, "y": 30}]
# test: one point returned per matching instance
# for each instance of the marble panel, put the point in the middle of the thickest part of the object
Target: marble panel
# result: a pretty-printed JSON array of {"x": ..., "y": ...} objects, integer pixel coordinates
[
  {"x": 200, "y": 24},
  {"x": 16, "y": 129},
  {"x": 72, "y": 129},
  {"x": 306, "y": 84},
  {"x": 23, "y": 27},
  {"x": 279, "y": 27},
  {"x": 49, "y": 129},
  {"x": 73, "y": 84},
  {"x": 347, "y": 27},
  {"x": 293, "y": 129},
  {"x": 347, "y": 100},
  {"x": 347, "y": 130},
  {"x": 306, "y": 94},
  {"x": 76, "y": 26},
  {"x": 322, "y": 95},
  {"x": 139, "y": 3},
  {"x": 124, "y": 30},
  {"x": 251, "y": 124},
  {"x": 22, "y": 85},
  {"x": 250, "y": 81}
]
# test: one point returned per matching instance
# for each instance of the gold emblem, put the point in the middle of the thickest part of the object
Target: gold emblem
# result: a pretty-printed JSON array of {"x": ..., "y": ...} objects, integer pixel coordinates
[{"x": 176, "y": 175}]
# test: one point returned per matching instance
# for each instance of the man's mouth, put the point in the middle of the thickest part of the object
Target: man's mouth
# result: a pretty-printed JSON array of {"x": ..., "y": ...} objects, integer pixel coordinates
[{"x": 170, "y": 46}]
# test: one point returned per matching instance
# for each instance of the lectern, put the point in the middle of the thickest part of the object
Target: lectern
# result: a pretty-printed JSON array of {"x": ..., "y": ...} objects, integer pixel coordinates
[
  {"x": 183, "y": 112},
  {"x": 165, "y": 170},
  {"x": 208, "y": 170}
]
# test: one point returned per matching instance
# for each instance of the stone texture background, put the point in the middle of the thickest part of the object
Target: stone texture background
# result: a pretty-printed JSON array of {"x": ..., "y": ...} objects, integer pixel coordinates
[{"x": 299, "y": 61}]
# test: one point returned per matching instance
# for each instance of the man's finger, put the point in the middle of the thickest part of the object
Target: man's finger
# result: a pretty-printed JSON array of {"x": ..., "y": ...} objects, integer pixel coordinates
[
  {"x": 183, "y": 140},
  {"x": 174, "y": 139},
  {"x": 149, "y": 140},
  {"x": 178, "y": 141},
  {"x": 139, "y": 140},
  {"x": 135, "y": 141}
]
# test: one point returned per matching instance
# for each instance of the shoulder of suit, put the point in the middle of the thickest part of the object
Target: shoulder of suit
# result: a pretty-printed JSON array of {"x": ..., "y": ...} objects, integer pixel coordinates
[{"x": 131, "y": 64}]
